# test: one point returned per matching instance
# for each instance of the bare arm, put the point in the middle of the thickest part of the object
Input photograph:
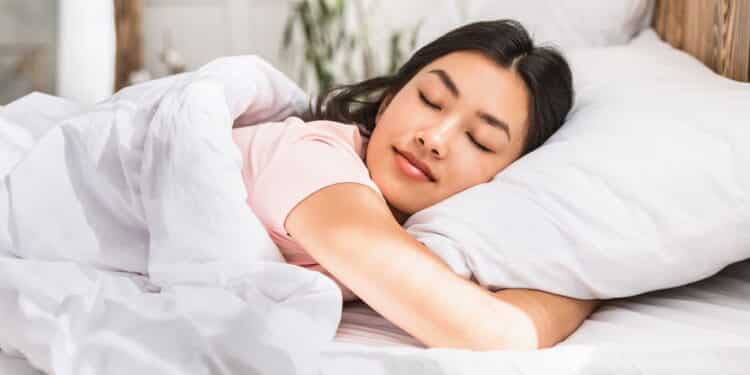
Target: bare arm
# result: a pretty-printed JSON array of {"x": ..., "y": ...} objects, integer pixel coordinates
[
  {"x": 555, "y": 317},
  {"x": 350, "y": 231}
]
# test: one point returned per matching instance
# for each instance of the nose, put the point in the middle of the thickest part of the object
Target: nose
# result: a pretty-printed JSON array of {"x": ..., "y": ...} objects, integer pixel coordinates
[
  {"x": 435, "y": 150},
  {"x": 435, "y": 138}
]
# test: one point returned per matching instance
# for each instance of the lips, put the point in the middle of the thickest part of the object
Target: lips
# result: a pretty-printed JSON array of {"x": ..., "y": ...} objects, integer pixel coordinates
[{"x": 413, "y": 167}]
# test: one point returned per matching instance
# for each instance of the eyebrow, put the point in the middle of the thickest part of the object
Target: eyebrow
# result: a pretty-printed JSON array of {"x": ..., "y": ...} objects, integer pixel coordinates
[
  {"x": 447, "y": 81},
  {"x": 491, "y": 120}
]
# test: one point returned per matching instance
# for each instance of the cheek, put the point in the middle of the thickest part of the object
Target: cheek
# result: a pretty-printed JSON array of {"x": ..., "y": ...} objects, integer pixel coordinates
[
  {"x": 377, "y": 157},
  {"x": 383, "y": 131},
  {"x": 469, "y": 172},
  {"x": 401, "y": 113}
]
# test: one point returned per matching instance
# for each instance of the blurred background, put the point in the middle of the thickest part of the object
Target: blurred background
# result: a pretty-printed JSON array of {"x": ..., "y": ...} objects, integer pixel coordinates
[{"x": 87, "y": 49}]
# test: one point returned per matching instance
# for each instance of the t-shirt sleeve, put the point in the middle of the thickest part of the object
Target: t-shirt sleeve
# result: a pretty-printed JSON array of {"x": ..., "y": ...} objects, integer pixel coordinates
[{"x": 307, "y": 158}]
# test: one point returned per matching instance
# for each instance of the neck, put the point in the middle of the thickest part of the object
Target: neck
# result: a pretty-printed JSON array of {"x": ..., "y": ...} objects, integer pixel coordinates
[{"x": 398, "y": 215}]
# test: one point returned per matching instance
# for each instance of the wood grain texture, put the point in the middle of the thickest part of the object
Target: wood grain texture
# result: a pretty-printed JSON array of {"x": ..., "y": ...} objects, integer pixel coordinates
[
  {"x": 129, "y": 28},
  {"x": 717, "y": 32}
]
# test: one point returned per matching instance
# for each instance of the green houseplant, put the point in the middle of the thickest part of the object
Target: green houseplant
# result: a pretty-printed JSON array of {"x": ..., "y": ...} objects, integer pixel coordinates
[{"x": 334, "y": 50}]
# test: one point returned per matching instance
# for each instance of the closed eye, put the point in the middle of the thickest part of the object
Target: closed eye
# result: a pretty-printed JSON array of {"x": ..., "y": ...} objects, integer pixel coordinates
[
  {"x": 428, "y": 102},
  {"x": 474, "y": 141}
]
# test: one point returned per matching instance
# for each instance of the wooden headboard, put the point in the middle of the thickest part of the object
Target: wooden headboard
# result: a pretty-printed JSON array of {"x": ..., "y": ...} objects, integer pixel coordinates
[{"x": 716, "y": 32}]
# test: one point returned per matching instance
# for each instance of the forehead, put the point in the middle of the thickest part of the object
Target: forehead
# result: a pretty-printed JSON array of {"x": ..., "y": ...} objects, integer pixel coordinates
[
  {"x": 483, "y": 85},
  {"x": 467, "y": 64}
]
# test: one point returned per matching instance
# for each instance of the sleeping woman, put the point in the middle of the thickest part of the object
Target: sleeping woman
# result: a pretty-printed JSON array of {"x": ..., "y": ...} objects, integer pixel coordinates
[{"x": 334, "y": 187}]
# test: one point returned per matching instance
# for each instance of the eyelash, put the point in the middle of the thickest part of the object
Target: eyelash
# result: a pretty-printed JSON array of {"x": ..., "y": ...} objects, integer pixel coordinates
[
  {"x": 437, "y": 107},
  {"x": 427, "y": 102},
  {"x": 474, "y": 141}
]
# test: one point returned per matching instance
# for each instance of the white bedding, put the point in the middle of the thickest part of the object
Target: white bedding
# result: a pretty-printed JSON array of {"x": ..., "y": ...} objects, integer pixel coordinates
[
  {"x": 697, "y": 329},
  {"x": 702, "y": 328},
  {"x": 648, "y": 176},
  {"x": 149, "y": 182}
]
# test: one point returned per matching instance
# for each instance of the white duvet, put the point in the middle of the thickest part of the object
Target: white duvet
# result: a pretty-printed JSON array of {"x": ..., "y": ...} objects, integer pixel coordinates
[{"x": 149, "y": 183}]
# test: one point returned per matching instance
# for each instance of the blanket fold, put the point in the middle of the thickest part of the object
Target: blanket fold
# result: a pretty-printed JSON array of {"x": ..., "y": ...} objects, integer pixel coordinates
[{"x": 130, "y": 247}]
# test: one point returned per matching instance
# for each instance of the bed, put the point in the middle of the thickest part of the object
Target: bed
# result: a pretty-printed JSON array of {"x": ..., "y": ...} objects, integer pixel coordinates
[
  {"x": 695, "y": 329},
  {"x": 699, "y": 328}
]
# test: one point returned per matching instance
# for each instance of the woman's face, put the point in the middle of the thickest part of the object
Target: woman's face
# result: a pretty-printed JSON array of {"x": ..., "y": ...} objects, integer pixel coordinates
[{"x": 455, "y": 124}]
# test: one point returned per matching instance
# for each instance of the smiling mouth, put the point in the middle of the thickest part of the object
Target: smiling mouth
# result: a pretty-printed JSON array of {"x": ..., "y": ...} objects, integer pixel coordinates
[{"x": 410, "y": 169}]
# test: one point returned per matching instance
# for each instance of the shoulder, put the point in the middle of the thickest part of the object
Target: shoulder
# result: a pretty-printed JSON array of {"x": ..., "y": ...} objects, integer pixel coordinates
[
  {"x": 332, "y": 132},
  {"x": 291, "y": 160},
  {"x": 294, "y": 130}
]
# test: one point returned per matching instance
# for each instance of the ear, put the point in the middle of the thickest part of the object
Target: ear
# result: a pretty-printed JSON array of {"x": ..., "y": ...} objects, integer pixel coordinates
[{"x": 383, "y": 105}]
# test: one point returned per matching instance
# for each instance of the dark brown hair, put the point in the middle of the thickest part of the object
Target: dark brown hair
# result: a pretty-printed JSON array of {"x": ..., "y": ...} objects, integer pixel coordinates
[{"x": 543, "y": 69}]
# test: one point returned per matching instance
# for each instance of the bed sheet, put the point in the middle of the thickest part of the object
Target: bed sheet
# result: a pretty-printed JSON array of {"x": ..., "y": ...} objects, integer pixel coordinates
[{"x": 701, "y": 328}]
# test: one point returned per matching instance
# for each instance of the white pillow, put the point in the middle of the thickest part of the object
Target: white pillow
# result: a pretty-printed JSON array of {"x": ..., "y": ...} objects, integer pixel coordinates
[
  {"x": 566, "y": 24},
  {"x": 646, "y": 186}
]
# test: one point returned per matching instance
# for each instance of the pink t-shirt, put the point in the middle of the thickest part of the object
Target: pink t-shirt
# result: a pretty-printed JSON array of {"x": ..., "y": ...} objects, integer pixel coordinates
[{"x": 284, "y": 162}]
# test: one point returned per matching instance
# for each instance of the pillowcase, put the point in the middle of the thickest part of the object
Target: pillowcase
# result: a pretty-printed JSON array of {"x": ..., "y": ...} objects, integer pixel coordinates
[
  {"x": 645, "y": 187},
  {"x": 566, "y": 24}
]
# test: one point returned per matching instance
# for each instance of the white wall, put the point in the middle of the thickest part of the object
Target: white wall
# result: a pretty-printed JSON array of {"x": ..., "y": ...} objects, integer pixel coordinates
[{"x": 202, "y": 30}]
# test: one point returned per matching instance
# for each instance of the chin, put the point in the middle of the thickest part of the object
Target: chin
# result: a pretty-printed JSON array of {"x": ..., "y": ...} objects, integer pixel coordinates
[
  {"x": 406, "y": 206},
  {"x": 398, "y": 193}
]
